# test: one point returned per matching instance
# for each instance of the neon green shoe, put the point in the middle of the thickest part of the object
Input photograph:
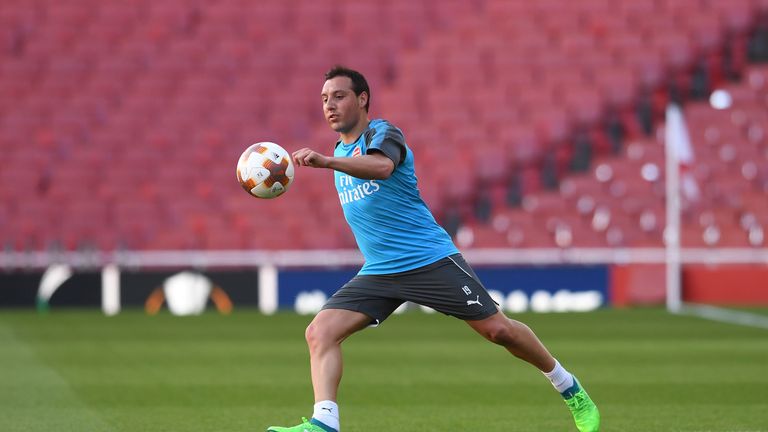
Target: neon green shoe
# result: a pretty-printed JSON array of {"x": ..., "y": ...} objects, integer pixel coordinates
[
  {"x": 584, "y": 411},
  {"x": 306, "y": 426}
]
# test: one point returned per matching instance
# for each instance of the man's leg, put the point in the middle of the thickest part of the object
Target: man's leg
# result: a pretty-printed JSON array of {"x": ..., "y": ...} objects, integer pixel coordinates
[
  {"x": 324, "y": 336},
  {"x": 520, "y": 340},
  {"x": 517, "y": 338}
]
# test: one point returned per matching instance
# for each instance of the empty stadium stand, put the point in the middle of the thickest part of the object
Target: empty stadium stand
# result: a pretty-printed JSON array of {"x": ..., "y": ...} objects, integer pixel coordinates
[{"x": 535, "y": 124}]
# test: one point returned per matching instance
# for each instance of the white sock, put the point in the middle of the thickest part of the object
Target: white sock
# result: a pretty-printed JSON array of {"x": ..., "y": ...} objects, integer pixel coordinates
[
  {"x": 561, "y": 379},
  {"x": 327, "y": 412}
]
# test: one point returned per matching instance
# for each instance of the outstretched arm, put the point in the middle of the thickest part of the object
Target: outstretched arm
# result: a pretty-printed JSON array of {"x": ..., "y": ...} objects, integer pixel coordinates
[{"x": 372, "y": 166}]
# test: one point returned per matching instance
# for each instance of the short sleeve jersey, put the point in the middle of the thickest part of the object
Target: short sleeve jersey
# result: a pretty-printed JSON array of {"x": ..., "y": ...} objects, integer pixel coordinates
[{"x": 392, "y": 225}]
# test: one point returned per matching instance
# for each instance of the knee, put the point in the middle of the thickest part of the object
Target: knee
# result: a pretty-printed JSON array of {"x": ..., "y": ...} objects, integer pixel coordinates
[
  {"x": 506, "y": 333},
  {"x": 317, "y": 335},
  {"x": 312, "y": 333}
]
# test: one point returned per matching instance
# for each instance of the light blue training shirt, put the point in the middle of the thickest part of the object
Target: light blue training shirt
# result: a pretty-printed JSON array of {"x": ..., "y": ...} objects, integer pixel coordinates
[{"x": 392, "y": 225}]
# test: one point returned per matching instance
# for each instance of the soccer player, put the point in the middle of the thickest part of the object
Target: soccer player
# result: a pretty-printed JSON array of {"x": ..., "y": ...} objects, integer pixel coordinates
[{"x": 408, "y": 257}]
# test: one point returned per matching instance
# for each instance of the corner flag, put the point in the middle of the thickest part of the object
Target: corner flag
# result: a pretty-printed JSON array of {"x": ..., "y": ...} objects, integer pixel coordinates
[{"x": 676, "y": 135}]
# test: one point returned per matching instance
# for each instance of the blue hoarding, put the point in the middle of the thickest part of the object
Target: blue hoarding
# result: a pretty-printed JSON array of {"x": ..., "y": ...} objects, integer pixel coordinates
[{"x": 561, "y": 288}]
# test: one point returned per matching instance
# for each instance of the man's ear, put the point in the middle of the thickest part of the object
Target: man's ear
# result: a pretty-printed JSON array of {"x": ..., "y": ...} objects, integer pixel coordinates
[{"x": 362, "y": 99}]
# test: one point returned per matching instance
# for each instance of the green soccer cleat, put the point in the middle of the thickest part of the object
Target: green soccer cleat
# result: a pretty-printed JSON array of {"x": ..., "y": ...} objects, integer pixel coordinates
[
  {"x": 306, "y": 426},
  {"x": 584, "y": 411}
]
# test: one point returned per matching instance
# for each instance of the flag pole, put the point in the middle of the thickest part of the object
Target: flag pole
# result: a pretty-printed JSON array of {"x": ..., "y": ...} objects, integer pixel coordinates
[{"x": 672, "y": 131}]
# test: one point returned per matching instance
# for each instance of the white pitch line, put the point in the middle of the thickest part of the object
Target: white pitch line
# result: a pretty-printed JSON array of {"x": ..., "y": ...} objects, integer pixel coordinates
[{"x": 725, "y": 315}]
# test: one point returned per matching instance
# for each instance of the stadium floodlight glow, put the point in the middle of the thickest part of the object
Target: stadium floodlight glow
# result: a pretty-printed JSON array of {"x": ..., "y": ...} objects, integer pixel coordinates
[
  {"x": 720, "y": 99},
  {"x": 650, "y": 172}
]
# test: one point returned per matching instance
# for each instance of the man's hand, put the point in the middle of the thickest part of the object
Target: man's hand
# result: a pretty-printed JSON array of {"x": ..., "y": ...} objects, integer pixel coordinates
[
  {"x": 375, "y": 166},
  {"x": 310, "y": 158}
]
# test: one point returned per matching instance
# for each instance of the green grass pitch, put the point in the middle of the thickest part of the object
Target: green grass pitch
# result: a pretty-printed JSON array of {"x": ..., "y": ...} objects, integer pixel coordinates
[{"x": 647, "y": 370}]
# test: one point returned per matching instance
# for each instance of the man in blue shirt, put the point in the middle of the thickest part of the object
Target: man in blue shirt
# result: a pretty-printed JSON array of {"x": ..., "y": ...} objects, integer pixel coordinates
[{"x": 408, "y": 257}]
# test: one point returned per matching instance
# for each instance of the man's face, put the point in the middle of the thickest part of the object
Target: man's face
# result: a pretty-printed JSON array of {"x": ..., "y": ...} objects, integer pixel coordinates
[{"x": 342, "y": 108}]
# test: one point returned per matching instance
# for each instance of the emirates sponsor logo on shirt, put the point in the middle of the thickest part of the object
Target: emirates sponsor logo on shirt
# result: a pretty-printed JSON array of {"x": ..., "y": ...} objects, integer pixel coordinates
[{"x": 351, "y": 191}]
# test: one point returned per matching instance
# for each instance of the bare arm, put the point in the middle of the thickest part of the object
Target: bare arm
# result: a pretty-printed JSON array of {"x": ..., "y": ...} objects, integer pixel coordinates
[{"x": 374, "y": 166}]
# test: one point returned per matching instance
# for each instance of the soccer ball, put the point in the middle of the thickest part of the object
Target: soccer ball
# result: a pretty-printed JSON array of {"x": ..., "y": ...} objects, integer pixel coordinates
[{"x": 265, "y": 170}]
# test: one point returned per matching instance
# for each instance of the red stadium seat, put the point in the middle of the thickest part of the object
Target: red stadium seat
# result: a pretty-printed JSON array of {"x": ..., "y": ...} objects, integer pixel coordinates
[{"x": 115, "y": 90}]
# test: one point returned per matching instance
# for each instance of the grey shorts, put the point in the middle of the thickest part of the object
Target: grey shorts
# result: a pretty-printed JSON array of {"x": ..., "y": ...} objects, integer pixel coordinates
[{"x": 449, "y": 286}]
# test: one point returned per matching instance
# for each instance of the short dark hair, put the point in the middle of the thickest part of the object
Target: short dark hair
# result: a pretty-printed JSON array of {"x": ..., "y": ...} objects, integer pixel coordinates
[{"x": 359, "y": 84}]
